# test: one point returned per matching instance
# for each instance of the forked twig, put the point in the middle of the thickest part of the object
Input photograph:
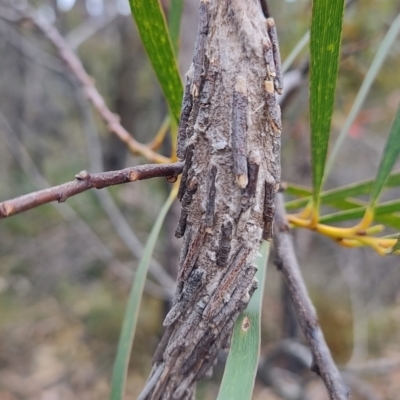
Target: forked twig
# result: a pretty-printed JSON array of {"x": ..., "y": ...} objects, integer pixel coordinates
[
  {"x": 287, "y": 263},
  {"x": 85, "y": 181}
]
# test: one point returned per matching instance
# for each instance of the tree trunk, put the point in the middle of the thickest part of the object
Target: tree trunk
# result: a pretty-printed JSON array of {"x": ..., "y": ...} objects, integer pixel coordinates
[{"x": 229, "y": 138}]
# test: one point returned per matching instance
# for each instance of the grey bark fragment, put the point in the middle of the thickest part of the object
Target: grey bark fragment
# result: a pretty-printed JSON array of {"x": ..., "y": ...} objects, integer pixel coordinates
[
  {"x": 186, "y": 199},
  {"x": 239, "y": 128},
  {"x": 185, "y": 172},
  {"x": 273, "y": 109},
  {"x": 158, "y": 355},
  {"x": 187, "y": 104},
  {"x": 199, "y": 56},
  {"x": 192, "y": 287},
  {"x": 232, "y": 130},
  {"x": 224, "y": 245},
  {"x": 192, "y": 254},
  {"x": 269, "y": 210},
  {"x": 227, "y": 284},
  {"x": 211, "y": 199},
  {"x": 209, "y": 84},
  {"x": 180, "y": 229},
  {"x": 249, "y": 192},
  {"x": 273, "y": 35},
  {"x": 269, "y": 58}
]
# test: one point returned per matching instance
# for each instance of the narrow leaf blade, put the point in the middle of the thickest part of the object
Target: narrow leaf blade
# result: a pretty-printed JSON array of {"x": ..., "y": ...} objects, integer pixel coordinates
[
  {"x": 392, "y": 220},
  {"x": 153, "y": 31},
  {"x": 386, "y": 208},
  {"x": 334, "y": 196},
  {"x": 132, "y": 310},
  {"x": 389, "y": 157},
  {"x": 325, "y": 39},
  {"x": 396, "y": 248},
  {"x": 241, "y": 366}
]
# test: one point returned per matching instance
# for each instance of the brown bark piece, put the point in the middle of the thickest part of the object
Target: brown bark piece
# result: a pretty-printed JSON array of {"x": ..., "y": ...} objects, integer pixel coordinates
[{"x": 230, "y": 127}]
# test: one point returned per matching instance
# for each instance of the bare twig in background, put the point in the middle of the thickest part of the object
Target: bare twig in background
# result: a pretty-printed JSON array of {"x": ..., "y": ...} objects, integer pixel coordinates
[
  {"x": 94, "y": 243},
  {"x": 28, "y": 49},
  {"x": 76, "y": 67},
  {"x": 89, "y": 28},
  {"x": 287, "y": 263},
  {"x": 292, "y": 386},
  {"x": 361, "y": 388},
  {"x": 85, "y": 181}
]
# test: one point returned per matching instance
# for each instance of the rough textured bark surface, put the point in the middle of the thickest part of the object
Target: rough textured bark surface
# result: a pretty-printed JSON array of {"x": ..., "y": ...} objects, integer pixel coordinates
[{"x": 229, "y": 139}]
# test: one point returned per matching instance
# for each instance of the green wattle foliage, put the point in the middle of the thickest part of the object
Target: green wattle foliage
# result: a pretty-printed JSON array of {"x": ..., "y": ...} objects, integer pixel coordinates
[
  {"x": 334, "y": 197},
  {"x": 241, "y": 366},
  {"x": 325, "y": 40},
  {"x": 153, "y": 32},
  {"x": 389, "y": 157}
]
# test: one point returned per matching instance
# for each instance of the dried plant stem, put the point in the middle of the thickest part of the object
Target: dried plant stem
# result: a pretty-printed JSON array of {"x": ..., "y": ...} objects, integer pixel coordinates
[
  {"x": 287, "y": 263},
  {"x": 75, "y": 66},
  {"x": 85, "y": 181}
]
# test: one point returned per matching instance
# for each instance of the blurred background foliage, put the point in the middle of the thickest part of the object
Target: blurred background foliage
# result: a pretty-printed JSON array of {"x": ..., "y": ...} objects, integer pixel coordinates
[{"x": 65, "y": 272}]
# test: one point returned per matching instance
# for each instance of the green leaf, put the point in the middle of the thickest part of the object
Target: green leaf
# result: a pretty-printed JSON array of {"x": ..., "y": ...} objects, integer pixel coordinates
[
  {"x": 392, "y": 220},
  {"x": 332, "y": 197},
  {"x": 359, "y": 188},
  {"x": 396, "y": 248},
  {"x": 132, "y": 310},
  {"x": 357, "y": 209},
  {"x": 389, "y": 157},
  {"x": 298, "y": 190},
  {"x": 153, "y": 31},
  {"x": 380, "y": 57},
  {"x": 241, "y": 366},
  {"x": 381, "y": 209},
  {"x": 389, "y": 220},
  {"x": 325, "y": 38},
  {"x": 174, "y": 23}
]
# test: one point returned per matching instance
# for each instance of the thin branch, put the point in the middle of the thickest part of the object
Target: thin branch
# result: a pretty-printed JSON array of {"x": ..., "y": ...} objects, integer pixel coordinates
[
  {"x": 89, "y": 28},
  {"x": 75, "y": 66},
  {"x": 287, "y": 263},
  {"x": 93, "y": 242},
  {"x": 28, "y": 49},
  {"x": 85, "y": 181},
  {"x": 361, "y": 388}
]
